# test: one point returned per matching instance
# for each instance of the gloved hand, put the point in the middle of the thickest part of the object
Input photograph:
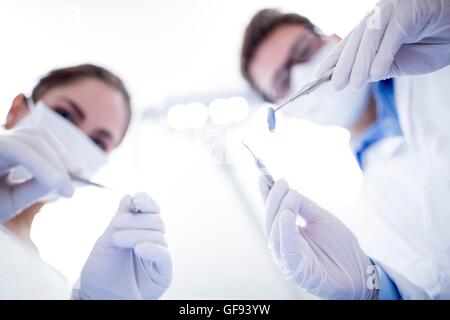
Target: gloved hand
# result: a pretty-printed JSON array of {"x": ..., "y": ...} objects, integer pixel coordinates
[
  {"x": 41, "y": 154},
  {"x": 323, "y": 257},
  {"x": 400, "y": 37},
  {"x": 130, "y": 260}
]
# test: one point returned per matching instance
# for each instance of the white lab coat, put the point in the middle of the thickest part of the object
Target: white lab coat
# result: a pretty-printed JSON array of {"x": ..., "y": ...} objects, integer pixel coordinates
[
  {"x": 402, "y": 218},
  {"x": 23, "y": 274}
]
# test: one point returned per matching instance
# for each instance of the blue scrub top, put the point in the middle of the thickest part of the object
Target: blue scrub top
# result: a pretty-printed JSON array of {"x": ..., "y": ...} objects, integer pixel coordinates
[{"x": 386, "y": 124}]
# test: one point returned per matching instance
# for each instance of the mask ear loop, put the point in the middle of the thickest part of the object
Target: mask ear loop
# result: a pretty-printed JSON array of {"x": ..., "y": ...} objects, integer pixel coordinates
[
  {"x": 20, "y": 174},
  {"x": 30, "y": 103}
]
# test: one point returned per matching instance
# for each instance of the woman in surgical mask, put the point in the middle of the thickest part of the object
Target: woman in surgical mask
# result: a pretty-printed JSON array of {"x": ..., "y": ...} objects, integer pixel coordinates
[{"x": 74, "y": 118}]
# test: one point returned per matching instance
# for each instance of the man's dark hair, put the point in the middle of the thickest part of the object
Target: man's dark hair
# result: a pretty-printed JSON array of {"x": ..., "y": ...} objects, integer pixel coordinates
[{"x": 262, "y": 24}]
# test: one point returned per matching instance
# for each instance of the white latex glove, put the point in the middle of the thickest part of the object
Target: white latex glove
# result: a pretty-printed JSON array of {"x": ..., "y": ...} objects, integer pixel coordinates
[
  {"x": 130, "y": 260},
  {"x": 323, "y": 257},
  {"x": 399, "y": 37},
  {"x": 41, "y": 154}
]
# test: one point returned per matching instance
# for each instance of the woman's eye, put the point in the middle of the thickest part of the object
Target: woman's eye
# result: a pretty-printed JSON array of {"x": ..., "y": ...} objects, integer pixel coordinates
[
  {"x": 99, "y": 143},
  {"x": 65, "y": 114}
]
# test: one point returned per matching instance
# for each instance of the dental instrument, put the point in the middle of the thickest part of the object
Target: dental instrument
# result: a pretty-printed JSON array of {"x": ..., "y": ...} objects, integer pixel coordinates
[
  {"x": 261, "y": 167},
  {"x": 86, "y": 182},
  {"x": 306, "y": 89}
]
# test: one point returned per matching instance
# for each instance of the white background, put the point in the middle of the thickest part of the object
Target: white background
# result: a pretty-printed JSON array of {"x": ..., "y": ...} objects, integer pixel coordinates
[{"x": 212, "y": 209}]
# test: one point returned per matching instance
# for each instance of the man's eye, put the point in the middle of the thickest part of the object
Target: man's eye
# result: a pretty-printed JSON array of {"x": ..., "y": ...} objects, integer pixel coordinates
[
  {"x": 300, "y": 54},
  {"x": 282, "y": 85},
  {"x": 99, "y": 143},
  {"x": 65, "y": 114}
]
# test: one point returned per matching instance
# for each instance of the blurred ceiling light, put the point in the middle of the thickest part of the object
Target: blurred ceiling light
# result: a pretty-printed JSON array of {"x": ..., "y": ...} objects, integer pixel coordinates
[
  {"x": 188, "y": 116},
  {"x": 227, "y": 111}
]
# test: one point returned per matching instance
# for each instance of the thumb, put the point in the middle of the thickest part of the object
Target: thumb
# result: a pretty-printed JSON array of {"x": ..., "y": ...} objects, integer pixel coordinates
[
  {"x": 124, "y": 207},
  {"x": 125, "y": 204},
  {"x": 335, "y": 55},
  {"x": 330, "y": 61},
  {"x": 301, "y": 205},
  {"x": 145, "y": 203},
  {"x": 264, "y": 187}
]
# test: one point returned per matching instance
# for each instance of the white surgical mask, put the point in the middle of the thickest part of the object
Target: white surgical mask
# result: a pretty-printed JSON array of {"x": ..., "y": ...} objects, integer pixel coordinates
[
  {"x": 88, "y": 157},
  {"x": 325, "y": 105}
]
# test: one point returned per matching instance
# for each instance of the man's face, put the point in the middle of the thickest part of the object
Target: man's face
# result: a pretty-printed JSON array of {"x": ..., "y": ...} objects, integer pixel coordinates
[
  {"x": 273, "y": 59},
  {"x": 94, "y": 107}
]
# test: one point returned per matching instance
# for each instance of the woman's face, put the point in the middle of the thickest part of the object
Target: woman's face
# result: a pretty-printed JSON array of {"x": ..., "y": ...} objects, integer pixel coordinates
[{"x": 96, "y": 108}]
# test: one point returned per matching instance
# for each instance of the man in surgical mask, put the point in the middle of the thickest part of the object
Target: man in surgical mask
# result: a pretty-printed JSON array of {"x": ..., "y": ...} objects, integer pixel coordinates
[
  {"x": 396, "y": 243},
  {"x": 73, "y": 119},
  {"x": 280, "y": 53}
]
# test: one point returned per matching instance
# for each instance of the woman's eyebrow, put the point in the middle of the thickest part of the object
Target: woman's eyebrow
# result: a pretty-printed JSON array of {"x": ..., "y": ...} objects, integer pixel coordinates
[
  {"x": 74, "y": 106},
  {"x": 105, "y": 133}
]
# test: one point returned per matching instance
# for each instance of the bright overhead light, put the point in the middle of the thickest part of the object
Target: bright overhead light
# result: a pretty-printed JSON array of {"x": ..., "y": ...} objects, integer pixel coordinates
[
  {"x": 188, "y": 116},
  {"x": 227, "y": 111},
  {"x": 218, "y": 112}
]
